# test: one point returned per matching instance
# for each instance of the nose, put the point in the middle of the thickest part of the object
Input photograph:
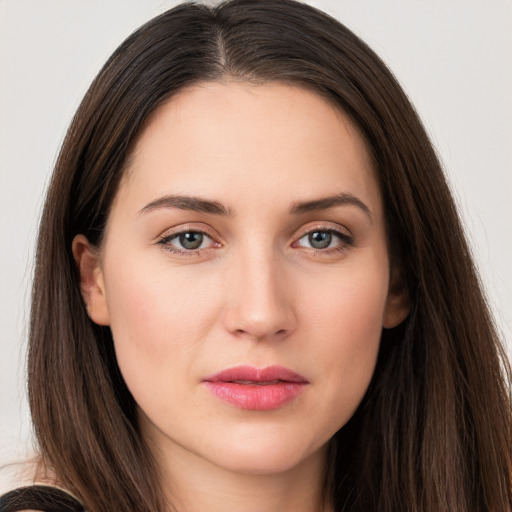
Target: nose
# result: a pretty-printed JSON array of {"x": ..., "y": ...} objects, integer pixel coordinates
[{"x": 260, "y": 301}]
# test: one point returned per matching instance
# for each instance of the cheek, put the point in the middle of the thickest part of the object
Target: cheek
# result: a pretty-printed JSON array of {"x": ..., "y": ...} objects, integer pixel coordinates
[
  {"x": 157, "y": 320},
  {"x": 351, "y": 305},
  {"x": 347, "y": 324}
]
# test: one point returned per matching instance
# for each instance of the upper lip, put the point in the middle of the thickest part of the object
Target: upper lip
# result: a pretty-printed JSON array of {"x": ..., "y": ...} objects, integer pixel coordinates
[{"x": 251, "y": 374}]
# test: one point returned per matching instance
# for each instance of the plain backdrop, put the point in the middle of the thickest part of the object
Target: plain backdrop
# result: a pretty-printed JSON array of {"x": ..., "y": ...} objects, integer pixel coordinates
[{"x": 453, "y": 58}]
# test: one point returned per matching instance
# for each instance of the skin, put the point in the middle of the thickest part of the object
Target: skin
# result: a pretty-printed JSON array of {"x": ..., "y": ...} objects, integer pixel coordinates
[{"x": 255, "y": 293}]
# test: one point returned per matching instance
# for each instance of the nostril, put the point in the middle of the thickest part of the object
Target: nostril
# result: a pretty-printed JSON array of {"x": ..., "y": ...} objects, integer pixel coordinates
[{"x": 255, "y": 335}]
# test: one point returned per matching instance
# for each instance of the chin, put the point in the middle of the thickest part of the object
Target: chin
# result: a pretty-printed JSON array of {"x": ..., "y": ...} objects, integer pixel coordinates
[{"x": 265, "y": 454}]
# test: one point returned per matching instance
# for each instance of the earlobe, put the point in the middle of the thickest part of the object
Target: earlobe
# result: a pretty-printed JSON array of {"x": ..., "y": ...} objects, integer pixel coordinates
[
  {"x": 92, "y": 284},
  {"x": 397, "y": 303}
]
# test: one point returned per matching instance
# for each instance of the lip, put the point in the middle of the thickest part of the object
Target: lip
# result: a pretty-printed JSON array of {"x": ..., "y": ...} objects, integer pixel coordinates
[{"x": 256, "y": 389}]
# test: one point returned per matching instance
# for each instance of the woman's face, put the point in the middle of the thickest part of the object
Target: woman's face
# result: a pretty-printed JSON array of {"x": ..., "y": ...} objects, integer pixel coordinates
[{"x": 247, "y": 232}]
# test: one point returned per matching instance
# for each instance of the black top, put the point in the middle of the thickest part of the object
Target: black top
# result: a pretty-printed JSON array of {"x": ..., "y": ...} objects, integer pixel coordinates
[{"x": 39, "y": 497}]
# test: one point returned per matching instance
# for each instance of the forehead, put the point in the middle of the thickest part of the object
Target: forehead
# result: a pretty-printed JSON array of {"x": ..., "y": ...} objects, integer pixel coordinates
[{"x": 235, "y": 141}]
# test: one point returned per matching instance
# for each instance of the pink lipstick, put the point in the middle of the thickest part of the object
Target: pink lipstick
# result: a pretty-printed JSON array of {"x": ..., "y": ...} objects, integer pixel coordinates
[{"x": 256, "y": 389}]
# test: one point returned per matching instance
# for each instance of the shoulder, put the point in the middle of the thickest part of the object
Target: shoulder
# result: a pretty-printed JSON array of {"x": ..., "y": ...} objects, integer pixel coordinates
[
  {"x": 41, "y": 498},
  {"x": 28, "y": 486}
]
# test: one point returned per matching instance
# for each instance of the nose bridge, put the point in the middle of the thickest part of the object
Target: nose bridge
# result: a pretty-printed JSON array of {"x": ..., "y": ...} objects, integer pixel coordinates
[{"x": 259, "y": 303}]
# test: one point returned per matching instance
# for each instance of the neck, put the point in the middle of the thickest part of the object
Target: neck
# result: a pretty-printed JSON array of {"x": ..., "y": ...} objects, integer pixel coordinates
[{"x": 193, "y": 484}]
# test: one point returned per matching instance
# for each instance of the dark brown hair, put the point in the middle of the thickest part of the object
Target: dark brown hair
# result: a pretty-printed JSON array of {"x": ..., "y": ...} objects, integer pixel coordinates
[{"x": 433, "y": 432}]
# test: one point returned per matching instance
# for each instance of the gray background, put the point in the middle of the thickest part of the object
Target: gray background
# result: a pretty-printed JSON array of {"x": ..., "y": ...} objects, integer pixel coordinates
[{"x": 452, "y": 57}]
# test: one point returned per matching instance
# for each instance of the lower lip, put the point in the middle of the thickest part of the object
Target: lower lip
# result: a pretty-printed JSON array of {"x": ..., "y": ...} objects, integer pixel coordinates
[{"x": 256, "y": 397}]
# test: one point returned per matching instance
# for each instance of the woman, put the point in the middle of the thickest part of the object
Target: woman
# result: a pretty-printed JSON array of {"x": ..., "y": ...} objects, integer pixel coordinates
[{"x": 252, "y": 289}]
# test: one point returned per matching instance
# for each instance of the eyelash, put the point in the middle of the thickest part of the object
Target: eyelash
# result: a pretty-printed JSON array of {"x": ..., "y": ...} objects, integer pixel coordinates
[
  {"x": 346, "y": 241},
  {"x": 166, "y": 239}
]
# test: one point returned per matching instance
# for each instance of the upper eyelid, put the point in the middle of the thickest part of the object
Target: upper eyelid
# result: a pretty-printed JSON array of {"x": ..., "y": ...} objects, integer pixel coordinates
[
  {"x": 178, "y": 230},
  {"x": 323, "y": 227},
  {"x": 300, "y": 232}
]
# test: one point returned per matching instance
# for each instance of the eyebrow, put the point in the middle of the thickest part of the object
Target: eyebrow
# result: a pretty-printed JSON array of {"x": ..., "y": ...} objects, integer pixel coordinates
[
  {"x": 192, "y": 203},
  {"x": 198, "y": 204},
  {"x": 324, "y": 203}
]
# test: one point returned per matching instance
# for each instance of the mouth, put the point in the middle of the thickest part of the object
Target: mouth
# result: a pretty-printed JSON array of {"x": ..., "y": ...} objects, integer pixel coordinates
[{"x": 265, "y": 389}]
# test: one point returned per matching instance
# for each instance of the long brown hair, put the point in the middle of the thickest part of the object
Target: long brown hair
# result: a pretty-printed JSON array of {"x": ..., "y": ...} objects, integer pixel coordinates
[{"x": 433, "y": 432}]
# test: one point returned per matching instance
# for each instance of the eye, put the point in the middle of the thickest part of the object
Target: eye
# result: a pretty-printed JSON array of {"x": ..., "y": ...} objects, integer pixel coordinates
[
  {"x": 187, "y": 241},
  {"x": 324, "y": 239}
]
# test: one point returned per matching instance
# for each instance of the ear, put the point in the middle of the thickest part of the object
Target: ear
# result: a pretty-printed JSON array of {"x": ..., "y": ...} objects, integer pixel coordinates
[
  {"x": 92, "y": 284},
  {"x": 397, "y": 302}
]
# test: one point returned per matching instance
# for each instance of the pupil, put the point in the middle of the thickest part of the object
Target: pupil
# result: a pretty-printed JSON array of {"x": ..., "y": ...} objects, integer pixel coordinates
[
  {"x": 191, "y": 240},
  {"x": 320, "y": 239}
]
